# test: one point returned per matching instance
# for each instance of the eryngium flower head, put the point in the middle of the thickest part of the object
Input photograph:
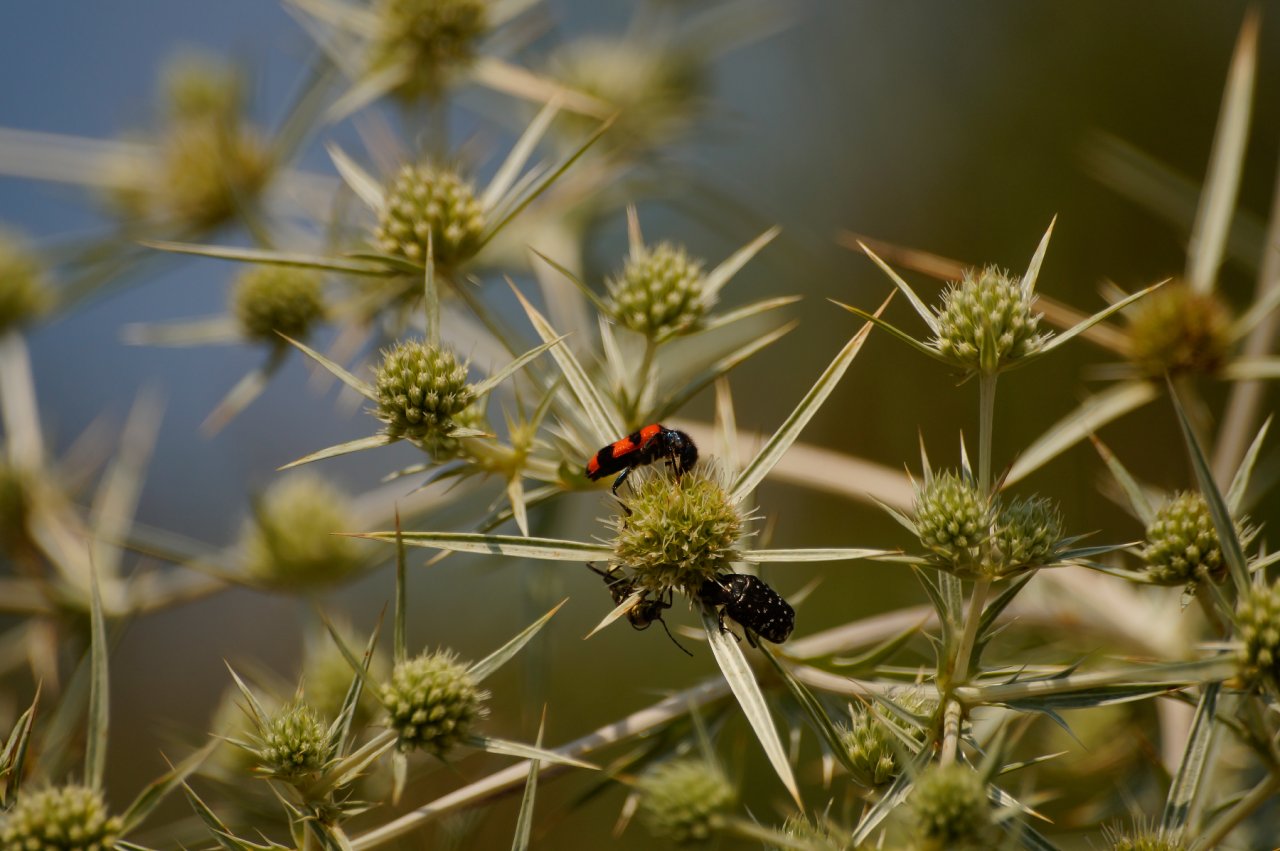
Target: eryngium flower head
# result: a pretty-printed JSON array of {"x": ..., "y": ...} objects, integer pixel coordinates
[
  {"x": 293, "y": 743},
  {"x": 1143, "y": 840},
  {"x": 433, "y": 701},
  {"x": 873, "y": 747},
  {"x": 1026, "y": 534},
  {"x": 1258, "y": 620},
  {"x": 428, "y": 39},
  {"x": 59, "y": 818},
  {"x": 421, "y": 389},
  {"x": 680, "y": 799},
  {"x": 425, "y": 201},
  {"x": 950, "y": 810},
  {"x": 953, "y": 520},
  {"x": 1178, "y": 330},
  {"x": 820, "y": 836},
  {"x": 1182, "y": 545},
  {"x": 273, "y": 300},
  {"x": 208, "y": 170},
  {"x": 660, "y": 292},
  {"x": 985, "y": 321},
  {"x": 657, "y": 89},
  {"x": 679, "y": 532},
  {"x": 288, "y": 542},
  {"x": 24, "y": 292}
]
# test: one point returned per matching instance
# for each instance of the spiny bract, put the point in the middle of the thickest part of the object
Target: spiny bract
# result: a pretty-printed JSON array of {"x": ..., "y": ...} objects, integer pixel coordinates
[
  {"x": 985, "y": 321},
  {"x": 660, "y": 292}
]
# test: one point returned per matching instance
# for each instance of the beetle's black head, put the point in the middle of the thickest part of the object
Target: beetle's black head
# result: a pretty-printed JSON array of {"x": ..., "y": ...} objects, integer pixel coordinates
[{"x": 681, "y": 449}]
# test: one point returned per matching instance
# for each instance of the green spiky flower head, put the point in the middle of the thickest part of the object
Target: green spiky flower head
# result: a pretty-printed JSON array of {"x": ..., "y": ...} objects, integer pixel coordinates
[
  {"x": 24, "y": 288},
  {"x": 1258, "y": 622},
  {"x": 660, "y": 292},
  {"x": 950, "y": 811},
  {"x": 273, "y": 300},
  {"x": 421, "y": 389},
  {"x": 1178, "y": 330},
  {"x": 293, "y": 743},
  {"x": 873, "y": 747},
  {"x": 429, "y": 39},
  {"x": 985, "y": 321},
  {"x": 681, "y": 799},
  {"x": 1027, "y": 532},
  {"x": 430, "y": 202},
  {"x": 816, "y": 836},
  {"x": 1143, "y": 840},
  {"x": 434, "y": 702},
  {"x": 953, "y": 520},
  {"x": 59, "y": 818},
  {"x": 1181, "y": 543},
  {"x": 680, "y": 532},
  {"x": 208, "y": 171},
  {"x": 289, "y": 540}
]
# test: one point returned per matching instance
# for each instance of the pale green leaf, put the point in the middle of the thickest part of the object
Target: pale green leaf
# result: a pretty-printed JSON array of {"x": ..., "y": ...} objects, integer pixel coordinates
[
  {"x": 524, "y": 819},
  {"x": 742, "y": 683},
  {"x": 813, "y": 554},
  {"x": 719, "y": 369},
  {"x": 1240, "y": 482},
  {"x": 1247, "y": 369},
  {"x": 209, "y": 331},
  {"x": 14, "y": 757},
  {"x": 780, "y": 441},
  {"x": 575, "y": 280},
  {"x": 1258, "y": 311},
  {"x": 723, "y": 319},
  {"x": 157, "y": 790},
  {"x": 1232, "y": 552},
  {"x": 270, "y": 257},
  {"x": 919, "y": 345},
  {"x": 362, "y": 387},
  {"x": 366, "y": 187},
  {"x": 367, "y": 89},
  {"x": 361, "y": 443},
  {"x": 1028, "y": 283},
  {"x": 511, "y": 545},
  {"x": 399, "y": 650},
  {"x": 1170, "y": 674},
  {"x": 347, "y": 770},
  {"x": 814, "y": 710},
  {"x": 1192, "y": 768},
  {"x": 523, "y": 751},
  {"x": 1226, "y": 162},
  {"x": 515, "y": 162},
  {"x": 921, "y": 308},
  {"x": 495, "y": 660},
  {"x": 1092, "y": 414},
  {"x": 240, "y": 396},
  {"x": 483, "y": 387},
  {"x": 520, "y": 82},
  {"x": 722, "y": 274},
  {"x": 1085, "y": 324},
  {"x": 95, "y": 749},
  {"x": 1137, "y": 496},
  {"x": 601, "y": 417}
]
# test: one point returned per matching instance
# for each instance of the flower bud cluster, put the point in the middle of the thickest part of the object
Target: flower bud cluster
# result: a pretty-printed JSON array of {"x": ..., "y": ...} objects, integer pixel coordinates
[
  {"x": 433, "y": 701},
  {"x": 986, "y": 321},
  {"x": 428, "y": 39},
  {"x": 425, "y": 202},
  {"x": 421, "y": 388},
  {"x": 950, "y": 811},
  {"x": 289, "y": 541},
  {"x": 73, "y": 818},
  {"x": 1177, "y": 330},
  {"x": 681, "y": 798},
  {"x": 294, "y": 743},
  {"x": 273, "y": 300}
]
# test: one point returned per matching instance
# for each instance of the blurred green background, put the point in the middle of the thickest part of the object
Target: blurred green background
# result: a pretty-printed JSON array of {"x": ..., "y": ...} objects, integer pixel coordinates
[{"x": 958, "y": 128}]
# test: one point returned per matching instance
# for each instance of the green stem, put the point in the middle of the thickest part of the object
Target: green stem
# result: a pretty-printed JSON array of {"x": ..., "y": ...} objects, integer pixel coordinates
[
  {"x": 1227, "y": 822},
  {"x": 960, "y": 669},
  {"x": 986, "y": 425},
  {"x": 951, "y": 731}
]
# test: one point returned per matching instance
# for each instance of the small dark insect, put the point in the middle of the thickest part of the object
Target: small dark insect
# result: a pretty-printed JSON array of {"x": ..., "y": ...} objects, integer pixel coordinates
[
  {"x": 649, "y": 444},
  {"x": 644, "y": 613},
  {"x": 752, "y": 603}
]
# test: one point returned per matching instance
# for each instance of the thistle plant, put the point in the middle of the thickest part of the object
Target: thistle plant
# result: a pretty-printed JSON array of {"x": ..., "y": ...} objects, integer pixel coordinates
[{"x": 903, "y": 728}]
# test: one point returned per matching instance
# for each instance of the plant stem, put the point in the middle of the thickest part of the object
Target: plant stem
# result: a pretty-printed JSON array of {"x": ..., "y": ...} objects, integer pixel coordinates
[
  {"x": 960, "y": 669},
  {"x": 951, "y": 731},
  {"x": 1227, "y": 822},
  {"x": 986, "y": 424},
  {"x": 641, "y": 384}
]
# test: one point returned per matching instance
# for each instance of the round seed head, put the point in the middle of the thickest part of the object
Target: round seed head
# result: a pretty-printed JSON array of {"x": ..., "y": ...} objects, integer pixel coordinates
[
  {"x": 288, "y": 542},
  {"x": 273, "y": 300},
  {"x": 950, "y": 810},
  {"x": 420, "y": 390},
  {"x": 293, "y": 743},
  {"x": 680, "y": 799},
  {"x": 430, "y": 39},
  {"x": 679, "y": 533},
  {"x": 953, "y": 521},
  {"x": 24, "y": 289},
  {"x": 660, "y": 292},
  {"x": 1026, "y": 535},
  {"x": 208, "y": 170},
  {"x": 1182, "y": 545},
  {"x": 1258, "y": 620},
  {"x": 1178, "y": 330},
  {"x": 59, "y": 818},
  {"x": 657, "y": 89},
  {"x": 985, "y": 321},
  {"x": 819, "y": 836},
  {"x": 434, "y": 702},
  {"x": 1141, "y": 838},
  {"x": 201, "y": 87},
  {"x": 873, "y": 747},
  {"x": 424, "y": 201}
]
